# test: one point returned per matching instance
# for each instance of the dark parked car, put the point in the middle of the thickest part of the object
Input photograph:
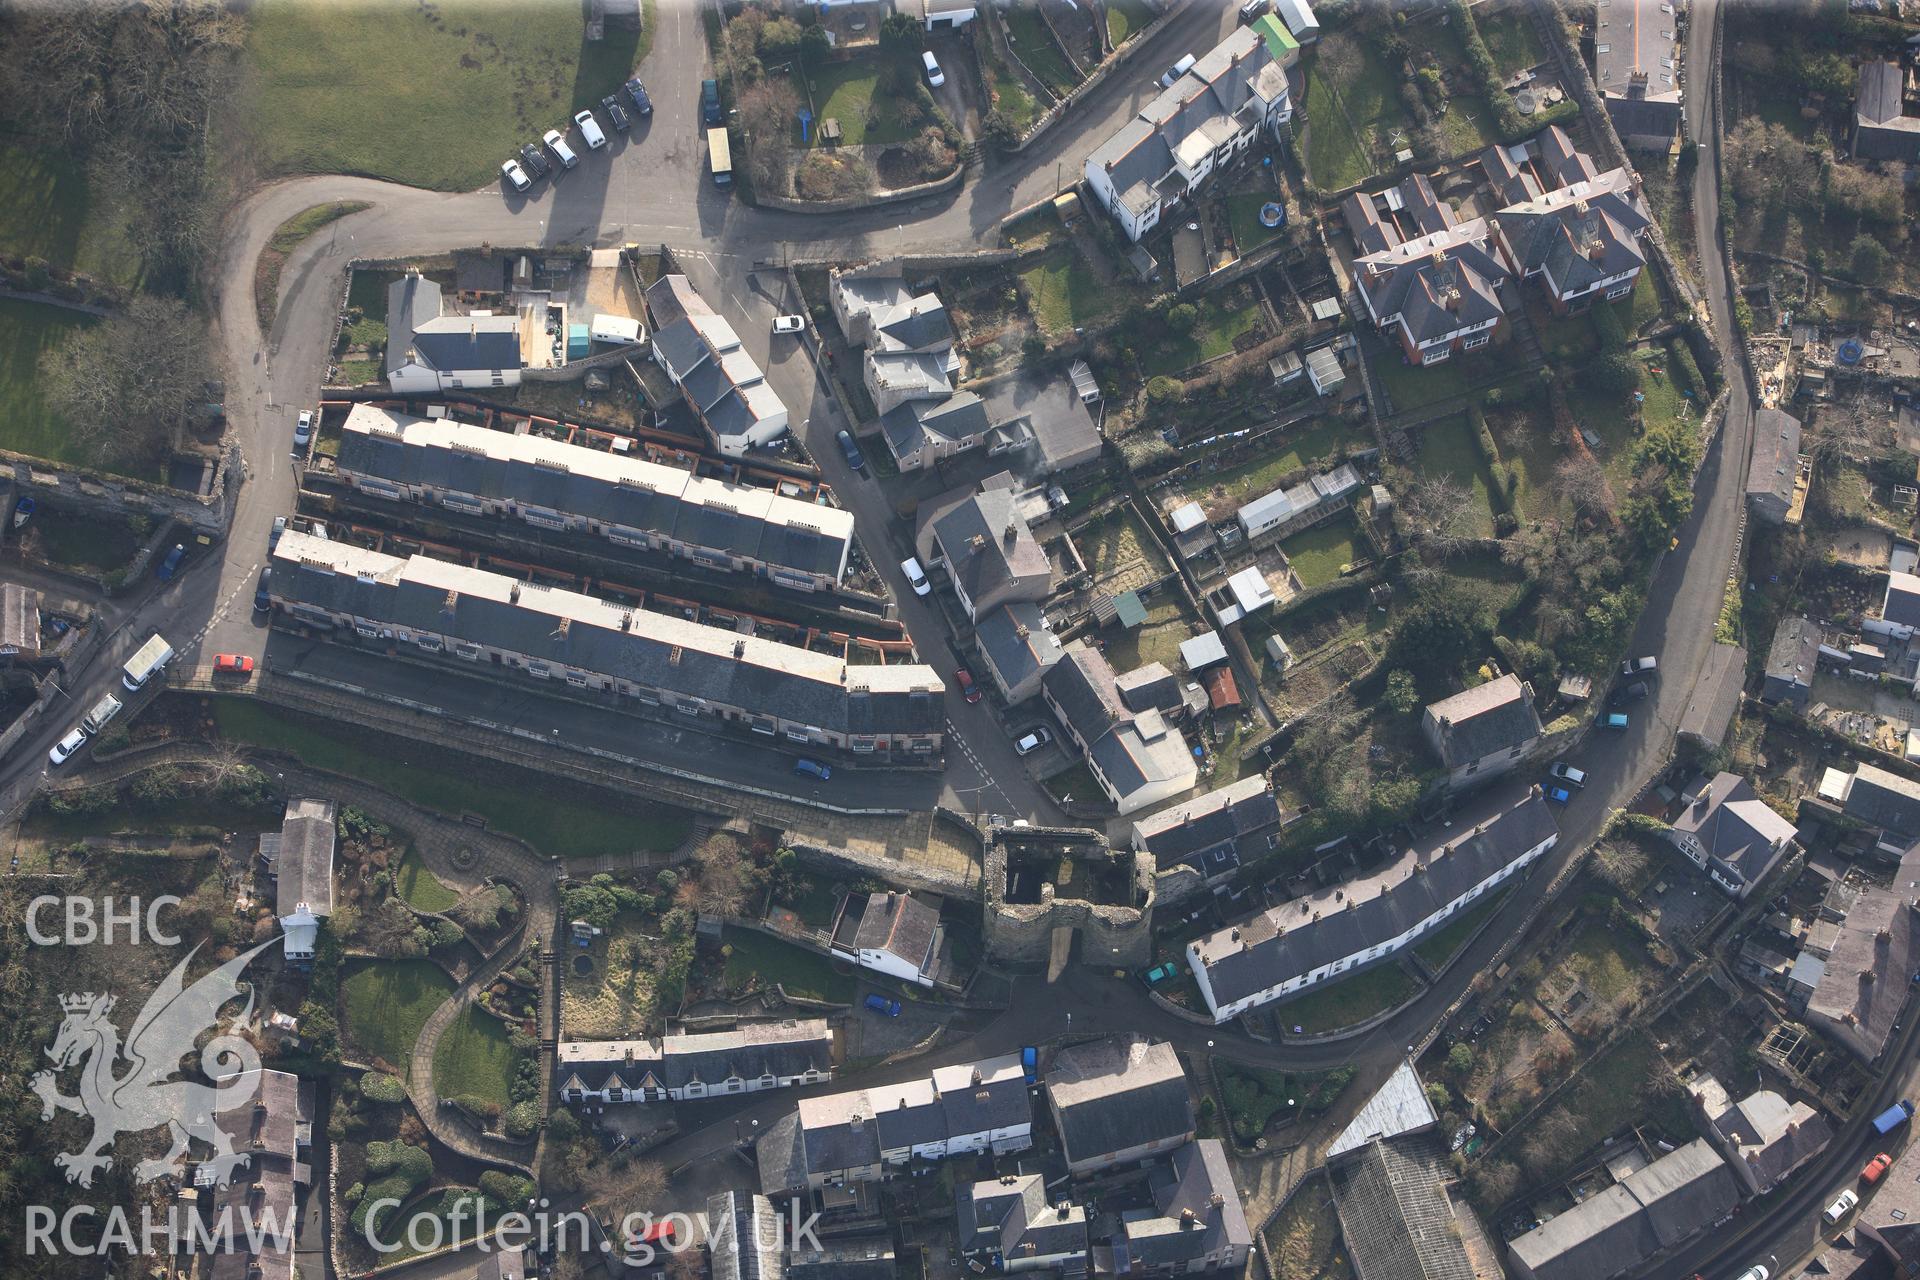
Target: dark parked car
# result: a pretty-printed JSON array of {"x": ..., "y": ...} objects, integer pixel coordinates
[
  {"x": 171, "y": 564},
  {"x": 855, "y": 459},
  {"x": 616, "y": 113},
  {"x": 710, "y": 113},
  {"x": 970, "y": 690},
  {"x": 262, "y": 597},
  {"x": 534, "y": 161},
  {"x": 637, "y": 92},
  {"x": 1626, "y": 693},
  {"x": 881, "y": 1004}
]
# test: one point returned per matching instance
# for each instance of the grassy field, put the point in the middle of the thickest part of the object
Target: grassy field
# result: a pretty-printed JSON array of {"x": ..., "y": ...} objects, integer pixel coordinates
[
  {"x": 1345, "y": 1001},
  {"x": 386, "y": 1002},
  {"x": 1438, "y": 949},
  {"x": 553, "y": 824},
  {"x": 419, "y": 887},
  {"x": 1414, "y": 387},
  {"x": 47, "y": 211},
  {"x": 845, "y": 91},
  {"x": 1034, "y": 42},
  {"x": 1213, "y": 335},
  {"x": 1447, "y": 447},
  {"x": 1125, "y": 18},
  {"x": 1615, "y": 420},
  {"x": 474, "y": 1058},
  {"x": 1318, "y": 554},
  {"x": 431, "y": 95},
  {"x": 1340, "y": 154},
  {"x": 1065, "y": 294},
  {"x": 803, "y": 973},
  {"x": 27, "y": 425}
]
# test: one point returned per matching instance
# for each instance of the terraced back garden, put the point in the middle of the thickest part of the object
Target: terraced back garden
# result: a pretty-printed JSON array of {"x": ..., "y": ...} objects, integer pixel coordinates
[
  {"x": 385, "y": 1003},
  {"x": 1310, "y": 446},
  {"x": 1320, "y": 555},
  {"x": 1352, "y": 102},
  {"x": 607, "y": 989}
]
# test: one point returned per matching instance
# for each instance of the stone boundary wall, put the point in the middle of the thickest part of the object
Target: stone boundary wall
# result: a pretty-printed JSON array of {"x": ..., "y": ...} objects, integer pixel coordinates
[
  {"x": 899, "y": 195},
  {"x": 64, "y": 486},
  {"x": 1120, "y": 56}
]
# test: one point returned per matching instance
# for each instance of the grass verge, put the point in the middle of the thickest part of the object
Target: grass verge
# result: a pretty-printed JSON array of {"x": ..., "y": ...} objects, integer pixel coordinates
[{"x": 287, "y": 238}]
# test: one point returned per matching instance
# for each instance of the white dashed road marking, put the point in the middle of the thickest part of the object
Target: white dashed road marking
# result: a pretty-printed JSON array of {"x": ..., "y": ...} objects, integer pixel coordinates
[{"x": 953, "y": 732}]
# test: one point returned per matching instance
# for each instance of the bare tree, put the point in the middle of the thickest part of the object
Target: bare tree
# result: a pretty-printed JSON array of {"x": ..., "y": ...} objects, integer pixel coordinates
[
  {"x": 767, "y": 112},
  {"x": 123, "y": 384},
  {"x": 1442, "y": 516}
]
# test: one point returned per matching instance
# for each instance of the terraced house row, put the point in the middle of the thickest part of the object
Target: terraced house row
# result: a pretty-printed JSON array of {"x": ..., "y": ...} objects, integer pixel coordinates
[
  {"x": 630, "y": 502},
  {"x": 438, "y": 609}
]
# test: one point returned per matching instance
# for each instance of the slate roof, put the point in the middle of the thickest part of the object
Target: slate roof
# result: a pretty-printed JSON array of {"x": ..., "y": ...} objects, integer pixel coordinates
[
  {"x": 1395, "y": 1215},
  {"x": 1735, "y": 826},
  {"x": 703, "y": 354},
  {"x": 447, "y": 343},
  {"x": 958, "y": 419},
  {"x": 19, "y": 619},
  {"x": 987, "y": 545},
  {"x": 1901, "y": 605},
  {"x": 1013, "y": 1217},
  {"x": 1795, "y": 652},
  {"x": 653, "y": 650},
  {"x": 1120, "y": 1092},
  {"x": 1879, "y": 798},
  {"x": 1187, "y": 1182},
  {"x": 1438, "y": 281},
  {"x": 744, "y": 1235},
  {"x": 1210, "y": 102},
  {"x": 303, "y": 870},
  {"x": 1049, "y": 405},
  {"x": 1486, "y": 719},
  {"x": 1400, "y": 1107},
  {"x": 1865, "y": 983},
  {"x": 1017, "y": 642},
  {"x": 786, "y": 1048},
  {"x": 1188, "y": 830},
  {"x": 1776, "y": 454},
  {"x": 1676, "y": 1196},
  {"x": 900, "y": 925},
  {"x": 864, "y": 1257},
  {"x": 1295, "y": 938},
  {"x": 1772, "y": 1136},
  {"x": 916, "y": 375},
  {"x": 1146, "y": 686},
  {"x": 1578, "y": 235},
  {"x": 1715, "y": 695},
  {"x": 606, "y": 487},
  {"x": 1883, "y": 129},
  {"x": 919, "y": 324},
  {"x": 1084, "y": 686},
  {"x": 1636, "y": 38},
  {"x": 1132, "y": 750}
]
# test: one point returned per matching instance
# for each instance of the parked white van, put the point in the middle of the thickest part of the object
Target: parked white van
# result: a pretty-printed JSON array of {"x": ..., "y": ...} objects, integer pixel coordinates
[
  {"x": 1177, "y": 70},
  {"x": 104, "y": 710},
  {"x": 561, "y": 151},
  {"x": 590, "y": 130},
  {"x": 916, "y": 576}
]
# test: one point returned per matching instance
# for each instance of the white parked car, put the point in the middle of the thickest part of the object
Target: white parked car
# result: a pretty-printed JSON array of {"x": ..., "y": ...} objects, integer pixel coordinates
[
  {"x": 789, "y": 324},
  {"x": 1177, "y": 70},
  {"x": 516, "y": 176},
  {"x": 1840, "y": 1208},
  {"x": 1033, "y": 739},
  {"x": 590, "y": 130},
  {"x": 935, "y": 76},
  {"x": 916, "y": 576},
  {"x": 561, "y": 151},
  {"x": 1568, "y": 774},
  {"x": 63, "y": 750}
]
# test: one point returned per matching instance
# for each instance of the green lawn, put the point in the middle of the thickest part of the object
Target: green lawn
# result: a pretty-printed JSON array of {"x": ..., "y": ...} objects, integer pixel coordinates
[
  {"x": 1345, "y": 1001},
  {"x": 1076, "y": 784},
  {"x": 1064, "y": 293},
  {"x": 1468, "y": 127},
  {"x": 1438, "y": 950},
  {"x": 552, "y": 824},
  {"x": 1212, "y": 336},
  {"x": 27, "y": 425},
  {"x": 1126, "y": 18},
  {"x": 1243, "y": 214},
  {"x": 1612, "y": 962},
  {"x": 1012, "y": 98},
  {"x": 419, "y": 887},
  {"x": 1316, "y": 441},
  {"x": 815, "y": 905},
  {"x": 474, "y": 1059},
  {"x": 1255, "y": 1095},
  {"x": 1511, "y": 38},
  {"x": 844, "y": 91},
  {"x": 386, "y": 1002},
  {"x": 1613, "y": 418},
  {"x": 1034, "y": 43},
  {"x": 1447, "y": 447},
  {"x": 1318, "y": 554},
  {"x": 803, "y": 973},
  {"x": 432, "y": 95},
  {"x": 1338, "y": 154},
  {"x": 46, "y": 212}
]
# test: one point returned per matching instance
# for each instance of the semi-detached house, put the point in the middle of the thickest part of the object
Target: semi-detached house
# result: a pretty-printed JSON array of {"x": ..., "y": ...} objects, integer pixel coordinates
[
  {"x": 550, "y": 484},
  {"x": 1212, "y": 113},
  {"x": 449, "y": 612},
  {"x": 430, "y": 352},
  {"x": 702, "y": 356},
  {"x": 1328, "y": 934},
  {"x": 1565, "y": 224},
  {"x": 1428, "y": 278}
]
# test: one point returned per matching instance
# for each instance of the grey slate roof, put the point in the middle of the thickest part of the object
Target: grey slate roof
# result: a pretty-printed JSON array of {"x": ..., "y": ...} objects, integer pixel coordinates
[
  {"x": 900, "y": 925},
  {"x": 1436, "y": 284},
  {"x": 1776, "y": 454},
  {"x": 1772, "y": 1136},
  {"x": 423, "y": 453},
  {"x": 1187, "y": 1181},
  {"x": 987, "y": 545},
  {"x": 1879, "y": 798},
  {"x": 1146, "y": 686},
  {"x": 920, "y": 324},
  {"x": 1865, "y": 985},
  {"x": 1735, "y": 826},
  {"x": 744, "y": 1237},
  {"x": 787, "y": 1048},
  {"x": 1295, "y": 938},
  {"x": 960, "y": 418},
  {"x": 1882, "y": 130},
  {"x": 303, "y": 871},
  {"x": 864, "y": 1257},
  {"x": 1045, "y": 401},
  {"x": 1795, "y": 652},
  {"x": 19, "y": 619},
  {"x": 1016, "y": 641},
  {"x": 412, "y": 300},
  {"x": 1488, "y": 718},
  {"x": 656, "y": 651},
  {"x": 445, "y": 342},
  {"x": 1120, "y": 1092},
  {"x": 1715, "y": 695},
  {"x": 1084, "y": 686},
  {"x": 1902, "y": 602},
  {"x": 1576, "y": 244},
  {"x": 1188, "y": 830},
  {"x": 1676, "y": 1196}
]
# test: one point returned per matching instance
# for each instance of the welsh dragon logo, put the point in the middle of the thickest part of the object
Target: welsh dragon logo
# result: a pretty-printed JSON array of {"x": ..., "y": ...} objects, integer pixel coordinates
[{"x": 146, "y": 1096}]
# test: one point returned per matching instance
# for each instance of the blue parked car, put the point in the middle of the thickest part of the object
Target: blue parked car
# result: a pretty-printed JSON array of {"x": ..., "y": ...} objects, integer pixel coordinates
[
  {"x": 1615, "y": 721},
  {"x": 855, "y": 458},
  {"x": 881, "y": 1004},
  {"x": 1559, "y": 795},
  {"x": 171, "y": 564},
  {"x": 22, "y": 511},
  {"x": 1030, "y": 1062},
  {"x": 262, "y": 593},
  {"x": 813, "y": 769}
]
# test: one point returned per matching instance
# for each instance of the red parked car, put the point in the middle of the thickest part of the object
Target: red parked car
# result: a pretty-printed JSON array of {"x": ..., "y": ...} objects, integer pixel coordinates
[
  {"x": 967, "y": 687},
  {"x": 1876, "y": 1167},
  {"x": 232, "y": 664}
]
